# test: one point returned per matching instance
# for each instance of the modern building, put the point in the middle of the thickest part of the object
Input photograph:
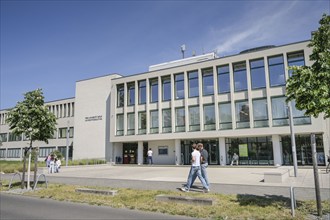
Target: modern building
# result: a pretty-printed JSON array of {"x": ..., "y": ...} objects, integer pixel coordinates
[{"x": 232, "y": 104}]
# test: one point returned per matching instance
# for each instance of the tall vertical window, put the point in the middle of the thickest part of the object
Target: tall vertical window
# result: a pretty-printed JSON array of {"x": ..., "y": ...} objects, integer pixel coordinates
[
  {"x": 276, "y": 71},
  {"x": 299, "y": 117},
  {"x": 193, "y": 84},
  {"x": 209, "y": 117},
  {"x": 179, "y": 86},
  {"x": 120, "y": 95},
  {"x": 142, "y": 122},
  {"x": 3, "y": 137},
  {"x": 257, "y": 71},
  {"x": 225, "y": 116},
  {"x": 14, "y": 137},
  {"x": 279, "y": 111},
  {"x": 167, "y": 120},
  {"x": 120, "y": 125},
  {"x": 154, "y": 90},
  {"x": 208, "y": 84},
  {"x": 130, "y": 124},
  {"x": 260, "y": 113},
  {"x": 166, "y": 89},
  {"x": 194, "y": 121},
  {"x": 240, "y": 80},
  {"x": 242, "y": 114},
  {"x": 142, "y": 92},
  {"x": 154, "y": 121},
  {"x": 296, "y": 59},
  {"x": 223, "y": 79},
  {"x": 180, "y": 120},
  {"x": 131, "y": 93}
]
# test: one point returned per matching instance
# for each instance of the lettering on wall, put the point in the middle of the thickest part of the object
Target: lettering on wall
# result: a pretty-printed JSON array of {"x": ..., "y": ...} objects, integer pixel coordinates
[{"x": 94, "y": 118}]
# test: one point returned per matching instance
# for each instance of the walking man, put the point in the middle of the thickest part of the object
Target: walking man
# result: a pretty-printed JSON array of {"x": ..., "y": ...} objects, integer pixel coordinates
[
  {"x": 149, "y": 153},
  {"x": 195, "y": 170},
  {"x": 204, "y": 164}
]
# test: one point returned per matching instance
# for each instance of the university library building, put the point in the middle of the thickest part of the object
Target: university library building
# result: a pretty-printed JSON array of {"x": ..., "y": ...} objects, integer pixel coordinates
[{"x": 232, "y": 104}]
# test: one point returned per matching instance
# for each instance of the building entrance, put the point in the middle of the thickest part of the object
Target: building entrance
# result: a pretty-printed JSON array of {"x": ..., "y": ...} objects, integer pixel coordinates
[
  {"x": 130, "y": 153},
  {"x": 212, "y": 147},
  {"x": 303, "y": 149},
  {"x": 251, "y": 151}
]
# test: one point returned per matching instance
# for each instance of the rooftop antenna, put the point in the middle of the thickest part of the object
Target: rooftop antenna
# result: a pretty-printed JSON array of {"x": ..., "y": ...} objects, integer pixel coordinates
[{"x": 183, "y": 48}]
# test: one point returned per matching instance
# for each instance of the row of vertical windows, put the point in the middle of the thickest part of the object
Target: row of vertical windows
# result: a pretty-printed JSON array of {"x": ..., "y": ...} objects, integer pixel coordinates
[
  {"x": 17, "y": 153},
  {"x": 10, "y": 137},
  {"x": 276, "y": 71},
  {"x": 242, "y": 115},
  {"x": 62, "y": 110},
  {"x": 59, "y": 110},
  {"x": 3, "y": 117}
]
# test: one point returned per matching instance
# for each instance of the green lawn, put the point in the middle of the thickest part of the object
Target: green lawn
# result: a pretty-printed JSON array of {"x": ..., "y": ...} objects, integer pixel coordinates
[{"x": 226, "y": 206}]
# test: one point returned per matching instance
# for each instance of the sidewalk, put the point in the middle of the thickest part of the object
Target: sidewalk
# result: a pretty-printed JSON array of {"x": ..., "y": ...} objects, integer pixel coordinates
[{"x": 226, "y": 180}]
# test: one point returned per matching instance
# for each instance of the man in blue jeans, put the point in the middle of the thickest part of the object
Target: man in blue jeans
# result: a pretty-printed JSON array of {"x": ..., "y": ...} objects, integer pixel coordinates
[
  {"x": 204, "y": 165},
  {"x": 195, "y": 170}
]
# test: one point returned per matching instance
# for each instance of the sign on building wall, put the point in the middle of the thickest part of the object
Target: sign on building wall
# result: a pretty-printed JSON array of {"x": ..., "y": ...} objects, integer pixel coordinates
[
  {"x": 243, "y": 150},
  {"x": 94, "y": 118}
]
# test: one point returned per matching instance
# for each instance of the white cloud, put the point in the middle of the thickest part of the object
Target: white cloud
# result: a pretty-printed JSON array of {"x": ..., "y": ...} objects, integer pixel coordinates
[{"x": 263, "y": 24}]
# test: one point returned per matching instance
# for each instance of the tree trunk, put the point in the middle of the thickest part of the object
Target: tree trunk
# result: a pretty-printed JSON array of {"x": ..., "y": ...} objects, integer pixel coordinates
[
  {"x": 35, "y": 166},
  {"x": 24, "y": 167}
]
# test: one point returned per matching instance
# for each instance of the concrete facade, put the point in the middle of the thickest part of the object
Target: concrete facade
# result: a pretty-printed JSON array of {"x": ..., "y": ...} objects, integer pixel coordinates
[{"x": 118, "y": 118}]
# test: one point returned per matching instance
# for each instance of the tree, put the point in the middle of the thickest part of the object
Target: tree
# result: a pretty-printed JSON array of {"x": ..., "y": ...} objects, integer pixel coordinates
[
  {"x": 309, "y": 86},
  {"x": 32, "y": 118}
]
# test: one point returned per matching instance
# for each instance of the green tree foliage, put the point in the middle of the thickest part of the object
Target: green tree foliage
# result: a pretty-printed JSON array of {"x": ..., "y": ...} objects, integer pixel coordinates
[
  {"x": 32, "y": 118},
  {"x": 309, "y": 86}
]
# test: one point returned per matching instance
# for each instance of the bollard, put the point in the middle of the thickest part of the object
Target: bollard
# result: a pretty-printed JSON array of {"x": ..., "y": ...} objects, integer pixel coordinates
[{"x": 293, "y": 201}]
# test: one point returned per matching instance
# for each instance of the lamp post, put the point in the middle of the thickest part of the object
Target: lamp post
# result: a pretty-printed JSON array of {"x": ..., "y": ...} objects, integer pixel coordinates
[
  {"x": 293, "y": 140},
  {"x": 67, "y": 144}
]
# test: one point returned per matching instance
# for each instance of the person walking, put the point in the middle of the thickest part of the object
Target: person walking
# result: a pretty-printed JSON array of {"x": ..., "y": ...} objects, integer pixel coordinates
[
  {"x": 195, "y": 170},
  {"x": 234, "y": 159},
  {"x": 204, "y": 164},
  {"x": 149, "y": 153}
]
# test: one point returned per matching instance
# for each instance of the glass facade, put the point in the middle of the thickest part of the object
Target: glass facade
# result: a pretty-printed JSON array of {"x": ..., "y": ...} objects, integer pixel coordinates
[
  {"x": 180, "y": 118},
  {"x": 251, "y": 151},
  {"x": 209, "y": 117},
  {"x": 257, "y": 72},
  {"x": 296, "y": 59},
  {"x": 240, "y": 80},
  {"x": 166, "y": 88},
  {"x": 179, "y": 86},
  {"x": 154, "y": 121},
  {"x": 208, "y": 84},
  {"x": 223, "y": 79},
  {"x": 130, "y": 123},
  {"x": 142, "y": 92},
  {"x": 303, "y": 150},
  {"x": 193, "y": 84},
  {"x": 120, "y": 95},
  {"x": 142, "y": 123},
  {"x": 194, "y": 121},
  {"x": 154, "y": 90},
  {"x": 130, "y": 94},
  {"x": 120, "y": 125},
  {"x": 260, "y": 113},
  {"x": 167, "y": 120},
  {"x": 242, "y": 114},
  {"x": 197, "y": 109},
  {"x": 276, "y": 71},
  {"x": 225, "y": 116}
]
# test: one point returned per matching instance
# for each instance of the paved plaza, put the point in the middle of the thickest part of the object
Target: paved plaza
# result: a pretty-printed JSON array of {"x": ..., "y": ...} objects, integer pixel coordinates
[{"x": 227, "y": 180}]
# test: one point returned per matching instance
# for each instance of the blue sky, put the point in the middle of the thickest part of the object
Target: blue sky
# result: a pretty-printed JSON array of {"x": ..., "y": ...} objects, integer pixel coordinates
[{"x": 53, "y": 44}]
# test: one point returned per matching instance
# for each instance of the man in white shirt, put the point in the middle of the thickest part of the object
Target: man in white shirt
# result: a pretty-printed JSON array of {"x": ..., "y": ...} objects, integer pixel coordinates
[
  {"x": 149, "y": 153},
  {"x": 195, "y": 170}
]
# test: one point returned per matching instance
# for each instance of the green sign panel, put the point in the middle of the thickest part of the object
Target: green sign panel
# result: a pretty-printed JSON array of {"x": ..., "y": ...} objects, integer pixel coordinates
[{"x": 243, "y": 150}]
